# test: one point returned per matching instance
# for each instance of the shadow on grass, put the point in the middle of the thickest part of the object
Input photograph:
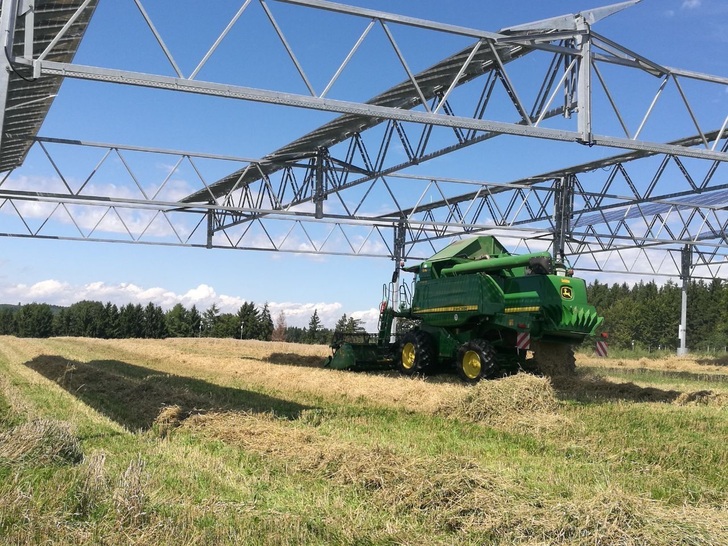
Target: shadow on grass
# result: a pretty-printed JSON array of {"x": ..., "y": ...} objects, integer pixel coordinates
[
  {"x": 134, "y": 396},
  {"x": 589, "y": 388},
  {"x": 292, "y": 359},
  {"x": 713, "y": 361}
]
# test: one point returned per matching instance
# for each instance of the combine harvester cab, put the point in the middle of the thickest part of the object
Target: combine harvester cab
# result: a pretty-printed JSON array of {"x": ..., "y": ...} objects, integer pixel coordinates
[{"x": 479, "y": 309}]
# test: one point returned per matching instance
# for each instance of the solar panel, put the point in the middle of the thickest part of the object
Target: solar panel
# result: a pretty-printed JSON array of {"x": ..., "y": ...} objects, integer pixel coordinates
[
  {"x": 404, "y": 96},
  {"x": 29, "y": 99},
  {"x": 630, "y": 211}
]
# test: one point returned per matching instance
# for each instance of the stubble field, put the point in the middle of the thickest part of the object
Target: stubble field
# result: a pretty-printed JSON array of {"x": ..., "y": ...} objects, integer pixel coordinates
[{"x": 189, "y": 441}]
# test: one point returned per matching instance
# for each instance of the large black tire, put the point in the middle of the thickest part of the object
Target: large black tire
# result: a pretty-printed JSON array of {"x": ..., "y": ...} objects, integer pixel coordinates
[
  {"x": 476, "y": 361},
  {"x": 553, "y": 359},
  {"x": 416, "y": 353}
]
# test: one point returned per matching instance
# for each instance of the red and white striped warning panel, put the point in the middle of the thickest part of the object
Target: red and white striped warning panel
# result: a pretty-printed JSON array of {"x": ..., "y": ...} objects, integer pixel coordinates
[
  {"x": 523, "y": 341},
  {"x": 602, "y": 349}
]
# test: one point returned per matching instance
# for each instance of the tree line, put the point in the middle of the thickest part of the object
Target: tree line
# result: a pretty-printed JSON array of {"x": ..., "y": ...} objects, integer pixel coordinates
[
  {"x": 647, "y": 316},
  {"x": 108, "y": 321},
  {"x": 643, "y": 316}
]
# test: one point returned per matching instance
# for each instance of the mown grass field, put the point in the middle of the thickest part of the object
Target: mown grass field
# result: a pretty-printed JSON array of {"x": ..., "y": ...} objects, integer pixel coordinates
[{"x": 187, "y": 441}]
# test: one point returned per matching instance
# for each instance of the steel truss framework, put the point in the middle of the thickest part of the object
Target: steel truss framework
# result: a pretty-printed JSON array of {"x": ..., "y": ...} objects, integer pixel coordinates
[{"x": 651, "y": 189}]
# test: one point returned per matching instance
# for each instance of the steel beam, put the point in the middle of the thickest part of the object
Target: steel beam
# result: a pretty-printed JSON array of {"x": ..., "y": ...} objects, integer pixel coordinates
[
  {"x": 564, "y": 206},
  {"x": 7, "y": 29},
  {"x": 638, "y": 217},
  {"x": 685, "y": 277},
  {"x": 366, "y": 110}
]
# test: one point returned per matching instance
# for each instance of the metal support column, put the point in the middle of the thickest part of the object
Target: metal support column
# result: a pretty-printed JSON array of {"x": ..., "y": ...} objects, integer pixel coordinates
[
  {"x": 400, "y": 236},
  {"x": 28, "y": 12},
  {"x": 685, "y": 263},
  {"x": 563, "y": 213},
  {"x": 319, "y": 194},
  {"x": 585, "y": 79},
  {"x": 210, "y": 227}
]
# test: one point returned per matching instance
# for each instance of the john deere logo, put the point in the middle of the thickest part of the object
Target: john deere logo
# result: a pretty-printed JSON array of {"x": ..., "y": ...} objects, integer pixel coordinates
[{"x": 567, "y": 293}]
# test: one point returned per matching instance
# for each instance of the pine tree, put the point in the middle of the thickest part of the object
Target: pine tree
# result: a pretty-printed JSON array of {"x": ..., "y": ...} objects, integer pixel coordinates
[
  {"x": 131, "y": 321},
  {"x": 209, "y": 318},
  {"x": 340, "y": 325},
  {"x": 34, "y": 320},
  {"x": 313, "y": 332},
  {"x": 227, "y": 325},
  {"x": 178, "y": 322},
  {"x": 154, "y": 324},
  {"x": 265, "y": 332},
  {"x": 249, "y": 321},
  {"x": 60, "y": 323},
  {"x": 195, "y": 320},
  {"x": 86, "y": 319},
  {"x": 294, "y": 334},
  {"x": 7, "y": 321},
  {"x": 353, "y": 326},
  {"x": 111, "y": 318}
]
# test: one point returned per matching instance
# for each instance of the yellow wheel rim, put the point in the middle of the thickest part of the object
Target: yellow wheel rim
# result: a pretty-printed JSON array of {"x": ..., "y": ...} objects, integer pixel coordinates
[
  {"x": 471, "y": 365},
  {"x": 408, "y": 356}
]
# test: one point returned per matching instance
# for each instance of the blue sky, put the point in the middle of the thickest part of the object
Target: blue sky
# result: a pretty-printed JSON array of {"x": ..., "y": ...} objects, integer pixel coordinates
[{"x": 690, "y": 34}]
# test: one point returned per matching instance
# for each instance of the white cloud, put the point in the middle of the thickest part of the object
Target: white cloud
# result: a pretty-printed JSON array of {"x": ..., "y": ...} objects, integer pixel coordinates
[
  {"x": 368, "y": 318},
  {"x": 299, "y": 314},
  {"x": 46, "y": 288},
  {"x": 55, "y": 292},
  {"x": 691, "y": 4},
  {"x": 199, "y": 294}
]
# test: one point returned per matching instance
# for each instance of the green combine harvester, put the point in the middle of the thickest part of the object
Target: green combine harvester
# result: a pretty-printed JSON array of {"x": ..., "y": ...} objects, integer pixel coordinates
[{"x": 478, "y": 309}]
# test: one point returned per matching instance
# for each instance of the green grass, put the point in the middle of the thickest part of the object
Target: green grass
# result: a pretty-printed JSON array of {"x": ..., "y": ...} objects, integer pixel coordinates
[
  {"x": 288, "y": 467},
  {"x": 7, "y": 417}
]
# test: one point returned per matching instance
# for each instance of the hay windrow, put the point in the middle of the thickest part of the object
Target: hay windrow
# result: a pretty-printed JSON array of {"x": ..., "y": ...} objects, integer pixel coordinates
[
  {"x": 40, "y": 442},
  {"x": 441, "y": 489},
  {"x": 702, "y": 398},
  {"x": 246, "y": 364},
  {"x": 519, "y": 399},
  {"x": 359, "y": 460},
  {"x": 461, "y": 496},
  {"x": 169, "y": 418},
  {"x": 613, "y": 517}
]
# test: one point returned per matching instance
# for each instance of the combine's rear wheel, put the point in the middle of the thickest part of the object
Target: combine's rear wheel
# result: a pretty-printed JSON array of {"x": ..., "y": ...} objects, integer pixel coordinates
[
  {"x": 417, "y": 353},
  {"x": 553, "y": 359},
  {"x": 476, "y": 360}
]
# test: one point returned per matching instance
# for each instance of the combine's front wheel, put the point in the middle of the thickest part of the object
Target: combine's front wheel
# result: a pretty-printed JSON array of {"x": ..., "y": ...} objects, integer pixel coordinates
[
  {"x": 476, "y": 360},
  {"x": 417, "y": 353},
  {"x": 553, "y": 359}
]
